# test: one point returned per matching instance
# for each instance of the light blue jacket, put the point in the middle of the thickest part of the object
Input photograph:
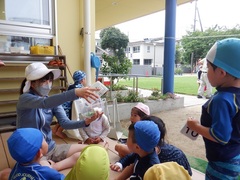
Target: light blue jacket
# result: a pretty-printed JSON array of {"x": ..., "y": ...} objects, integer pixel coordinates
[{"x": 38, "y": 112}]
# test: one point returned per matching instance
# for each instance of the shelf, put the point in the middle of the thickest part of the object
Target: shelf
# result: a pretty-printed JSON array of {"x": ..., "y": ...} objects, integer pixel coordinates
[{"x": 11, "y": 73}]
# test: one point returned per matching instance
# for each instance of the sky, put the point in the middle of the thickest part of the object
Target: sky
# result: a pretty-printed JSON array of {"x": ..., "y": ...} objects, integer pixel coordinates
[{"x": 211, "y": 13}]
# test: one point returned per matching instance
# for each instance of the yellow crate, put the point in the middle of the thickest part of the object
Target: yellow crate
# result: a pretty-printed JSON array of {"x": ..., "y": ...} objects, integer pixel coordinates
[{"x": 48, "y": 50}]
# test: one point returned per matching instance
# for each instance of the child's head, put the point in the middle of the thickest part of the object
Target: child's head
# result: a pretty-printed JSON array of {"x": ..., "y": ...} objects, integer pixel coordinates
[
  {"x": 161, "y": 126},
  {"x": 143, "y": 134},
  {"x": 25, "y": 143},
  {"x": 79, "y": 77},
  {"x": 225, "y": 54},
  {"x": 93, "y": 163},
  {"x": 139, "y": 111},
  {"x": 166, "y": 171}
]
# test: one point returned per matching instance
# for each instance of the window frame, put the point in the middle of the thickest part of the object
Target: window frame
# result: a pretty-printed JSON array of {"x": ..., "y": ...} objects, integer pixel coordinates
[{"x": 14, "y": 28}]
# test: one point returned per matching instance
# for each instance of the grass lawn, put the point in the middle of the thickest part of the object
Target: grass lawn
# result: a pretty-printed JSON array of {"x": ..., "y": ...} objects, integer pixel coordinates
[{"x": 182, "y": 84}]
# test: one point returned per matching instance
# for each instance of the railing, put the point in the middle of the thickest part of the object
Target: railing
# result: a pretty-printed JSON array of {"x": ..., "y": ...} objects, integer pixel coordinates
[{"x": 134, "y": 76}]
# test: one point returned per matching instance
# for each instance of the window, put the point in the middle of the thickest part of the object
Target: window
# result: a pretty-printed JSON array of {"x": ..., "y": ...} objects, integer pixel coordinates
[
  {"x": 127, "y": 49},
  {"x": 136, "y": 49},
  {"x": 26, "y": 21},
  {"x": 27, "y": 11},
  {"x": 136, "y": 61},
  {"x": 147, "y": 61},
  {"x": 148, "y": 49}
]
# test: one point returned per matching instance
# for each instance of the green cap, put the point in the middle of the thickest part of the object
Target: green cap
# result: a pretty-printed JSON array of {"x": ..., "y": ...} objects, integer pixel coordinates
[{"x": 92, "y": 164}]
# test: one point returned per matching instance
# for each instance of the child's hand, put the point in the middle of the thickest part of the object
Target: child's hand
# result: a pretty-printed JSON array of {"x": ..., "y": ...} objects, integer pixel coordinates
[
  {"x": 97, "y": 140},
  {"x": 115, "y": 167},
  {"x": 89, "y": 141},
  {"x": 192, "y": 123},
  {"x": 96, "y": 116}
]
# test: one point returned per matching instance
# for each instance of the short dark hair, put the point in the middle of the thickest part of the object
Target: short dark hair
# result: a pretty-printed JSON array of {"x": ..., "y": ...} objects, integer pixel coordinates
[{"x": 131, "y": 128}]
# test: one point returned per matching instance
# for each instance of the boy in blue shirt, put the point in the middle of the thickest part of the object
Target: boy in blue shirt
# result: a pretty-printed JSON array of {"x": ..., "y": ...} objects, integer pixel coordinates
[
  {"x": 220, "y": 119},
  {"x": 27, "y": 146},
  {"x": 143, "y": 137}
]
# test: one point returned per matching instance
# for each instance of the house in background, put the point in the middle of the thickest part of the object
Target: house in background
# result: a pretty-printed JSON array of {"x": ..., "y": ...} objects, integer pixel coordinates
[{"x": 146, "y": 57}]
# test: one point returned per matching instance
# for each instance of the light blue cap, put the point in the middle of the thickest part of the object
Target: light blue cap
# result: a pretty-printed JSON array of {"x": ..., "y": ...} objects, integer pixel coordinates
[
  {"x": 78, "y": 76},
  {"x": 225, "y": 54}
]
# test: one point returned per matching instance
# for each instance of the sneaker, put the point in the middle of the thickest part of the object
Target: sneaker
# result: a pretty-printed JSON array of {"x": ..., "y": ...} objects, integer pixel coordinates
[
  {"x": 199, "y": 96},
  {"x": 208, "y": 97}
]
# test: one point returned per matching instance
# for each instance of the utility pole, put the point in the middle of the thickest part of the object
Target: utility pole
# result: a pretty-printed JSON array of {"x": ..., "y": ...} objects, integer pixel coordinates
[{"x": 196, "y": 13}]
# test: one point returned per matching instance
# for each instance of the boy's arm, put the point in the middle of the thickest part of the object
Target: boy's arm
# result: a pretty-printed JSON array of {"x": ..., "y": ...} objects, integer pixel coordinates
[
  {"x": 196, "y": 126},
  {"x": 128, "y": 159},
  {"x": 126, "y": 173}
]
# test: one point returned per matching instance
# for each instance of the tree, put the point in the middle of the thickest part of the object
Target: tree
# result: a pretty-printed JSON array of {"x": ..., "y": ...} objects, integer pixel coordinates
[
  {"x": 116, "y": 42},
  {"x": 199, "y": 43}
]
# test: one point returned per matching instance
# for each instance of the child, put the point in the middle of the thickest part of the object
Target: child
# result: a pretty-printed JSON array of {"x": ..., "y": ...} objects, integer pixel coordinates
[
  {"x": 166, "y": 171},
  {"x": 97, "y": 131},
  {"x": 220, "y": 125},
  {"x": 143, "y": 137},
  {"x": 27, "y": 146},
  {"x": 79, "y": 78},
  {"x": 167, "y": 152},
  {"x": 137, "y": 113},
  {"x": 204, "y": 82},
  {"x": 93, "y": 164}
]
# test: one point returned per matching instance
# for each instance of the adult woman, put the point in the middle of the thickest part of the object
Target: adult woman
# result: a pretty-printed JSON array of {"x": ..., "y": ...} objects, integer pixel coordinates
[{"x": 36, "y": 109}]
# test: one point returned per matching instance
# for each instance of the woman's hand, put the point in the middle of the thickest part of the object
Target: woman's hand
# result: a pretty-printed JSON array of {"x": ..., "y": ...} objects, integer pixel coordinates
[{"x": 87, "y": 93}]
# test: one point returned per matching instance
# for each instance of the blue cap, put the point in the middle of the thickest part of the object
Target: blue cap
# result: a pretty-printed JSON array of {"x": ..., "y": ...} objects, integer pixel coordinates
[
  {"x": 225, "y": 54},
  {"x": 147, "y": 135},
  {"x": 78, "y": 76},
  {"x": 24, "y": 144}
]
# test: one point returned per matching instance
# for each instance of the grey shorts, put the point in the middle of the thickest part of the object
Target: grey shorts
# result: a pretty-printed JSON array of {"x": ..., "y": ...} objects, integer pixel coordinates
[{"x": 58, "y": 153}]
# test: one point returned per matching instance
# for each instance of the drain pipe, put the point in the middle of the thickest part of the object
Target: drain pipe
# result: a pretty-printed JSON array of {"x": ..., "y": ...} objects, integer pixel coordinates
[{"x": 87, "y": 40}]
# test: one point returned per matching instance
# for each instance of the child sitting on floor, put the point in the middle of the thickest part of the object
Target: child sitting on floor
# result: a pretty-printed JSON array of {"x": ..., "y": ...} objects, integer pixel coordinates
[
  {"x": 166, "y": 152},
  {"x": 92, "y": 164},
  {"x": 137, "y": 113},
  {"x": 166, "y": 171},
  {"x": 143, "y": 137},
  {"x": 27, "y": 146},
  {"x": 79, "y": 78},
  {"x": 98, "y": 130}
]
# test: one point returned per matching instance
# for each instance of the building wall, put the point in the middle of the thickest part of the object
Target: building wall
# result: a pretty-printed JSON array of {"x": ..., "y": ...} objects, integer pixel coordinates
[
  {"x": 143, "y": 69},
  {"x": 70, "y": 21}
]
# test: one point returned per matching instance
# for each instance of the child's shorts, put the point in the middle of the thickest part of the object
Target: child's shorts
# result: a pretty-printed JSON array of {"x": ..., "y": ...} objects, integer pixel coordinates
[{"x": 58, "y": 153}]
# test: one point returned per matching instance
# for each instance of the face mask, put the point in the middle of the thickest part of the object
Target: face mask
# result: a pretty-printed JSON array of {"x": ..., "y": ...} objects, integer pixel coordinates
[{"x": 44, "y": 89}]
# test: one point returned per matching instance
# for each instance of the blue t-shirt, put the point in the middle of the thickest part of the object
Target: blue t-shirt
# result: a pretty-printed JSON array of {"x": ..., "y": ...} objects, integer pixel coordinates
[
  {"x": 221, "y": 114},
  {"x": 34, "y": 171}
]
